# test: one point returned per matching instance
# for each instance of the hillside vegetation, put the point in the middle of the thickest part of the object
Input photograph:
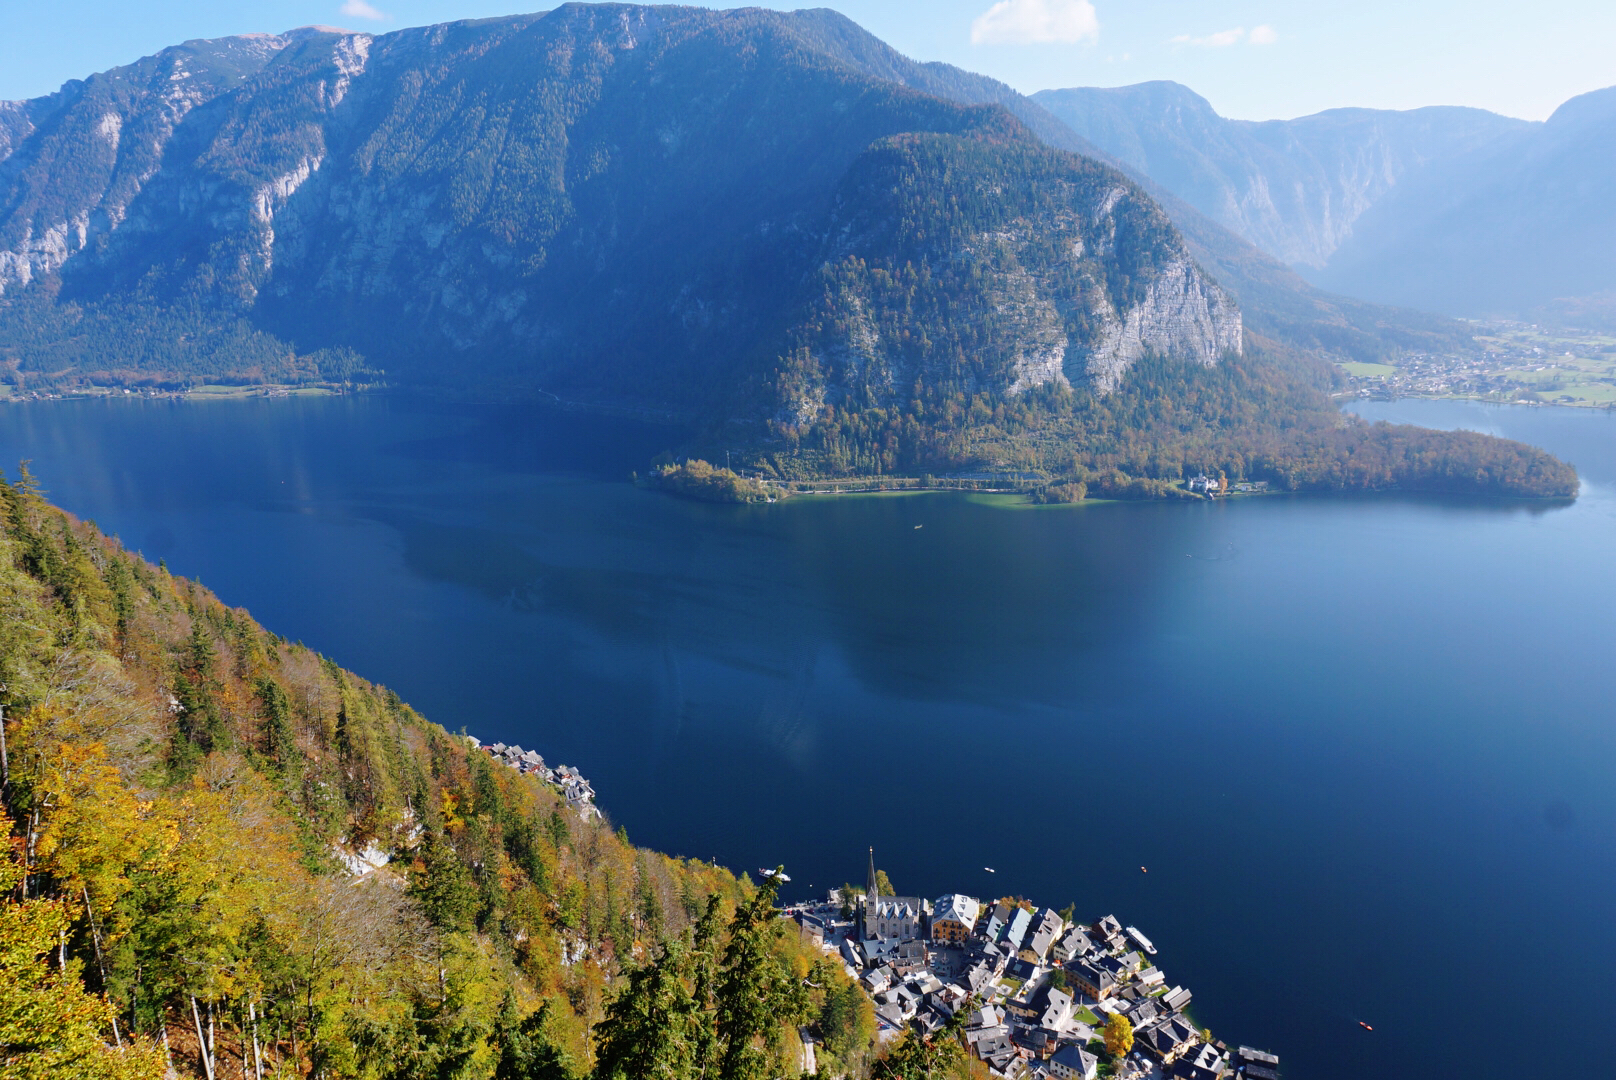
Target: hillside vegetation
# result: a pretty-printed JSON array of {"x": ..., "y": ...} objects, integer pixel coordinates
[{"x": 180, "y": 786}]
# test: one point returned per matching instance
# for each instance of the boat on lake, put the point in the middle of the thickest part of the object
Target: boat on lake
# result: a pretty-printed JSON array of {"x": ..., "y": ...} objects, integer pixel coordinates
[{"x": 1144, "y": 942}]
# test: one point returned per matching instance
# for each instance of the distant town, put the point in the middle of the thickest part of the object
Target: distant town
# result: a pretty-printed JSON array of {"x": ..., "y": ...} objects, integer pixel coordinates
[
  {"x": 1039, "y": 990},
  {"x": 1516, "y": 363}
]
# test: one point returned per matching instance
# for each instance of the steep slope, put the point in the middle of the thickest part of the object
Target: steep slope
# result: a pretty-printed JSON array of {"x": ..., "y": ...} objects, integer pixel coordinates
[
  {"x": 72, "y": 162},
  {"x": 1292, "y": 187},
  {"x": 1504, "y": 230},
  {"x": 242, "y": 849},
  {"x": 1276, "y": 302},
  {"x": 602, "y": 202}
]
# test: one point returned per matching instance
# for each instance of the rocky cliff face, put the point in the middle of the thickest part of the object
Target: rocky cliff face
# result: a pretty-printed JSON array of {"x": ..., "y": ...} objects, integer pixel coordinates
[
  {"x": 71, "y": 164},
  {"x": 1294, "y": 188},
  {"x": 612, "y": 202},
  {"x": 1075, "y": 274}
]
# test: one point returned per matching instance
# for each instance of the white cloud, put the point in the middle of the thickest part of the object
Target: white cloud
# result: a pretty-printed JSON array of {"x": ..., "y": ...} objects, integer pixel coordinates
[
  {"x": 361, "y": 10},
  {"x": 1259, "y": 35},
  {"x": 1030, "y": 22}
]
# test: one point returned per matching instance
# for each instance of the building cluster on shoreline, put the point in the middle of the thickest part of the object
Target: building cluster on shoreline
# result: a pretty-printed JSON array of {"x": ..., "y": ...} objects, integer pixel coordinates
[
  {"x": 1038, "y": 988},
  {"x": 564, "y": 778}
]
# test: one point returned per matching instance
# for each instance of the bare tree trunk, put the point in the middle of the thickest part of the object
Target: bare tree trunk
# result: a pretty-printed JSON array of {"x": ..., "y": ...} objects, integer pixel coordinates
[
  {"x": 5, "y": 762},
  {"x": 201, "y": 1039},
  {"x": 168, "y": 1055},
  {"x": 100, "y": 961},
  {"x": 258, "y": 1062}
]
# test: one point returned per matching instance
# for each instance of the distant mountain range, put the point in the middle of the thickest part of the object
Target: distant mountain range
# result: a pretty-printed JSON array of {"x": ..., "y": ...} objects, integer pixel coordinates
[{"x": 1455, "y": 210}]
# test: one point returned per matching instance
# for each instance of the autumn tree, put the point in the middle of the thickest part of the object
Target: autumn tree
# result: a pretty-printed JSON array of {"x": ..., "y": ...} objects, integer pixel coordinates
[
  {"x": 756, "y": 993},
  {"x": 51, "y": 1028},
  {"x": 1118, "y": 1033}
]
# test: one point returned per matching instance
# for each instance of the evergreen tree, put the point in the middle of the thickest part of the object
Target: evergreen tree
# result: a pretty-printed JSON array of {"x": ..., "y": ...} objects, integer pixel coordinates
[
  {"x": 443, "y": 885},
  {"x": 756, "y": 993},
  {"x": 527, "y": 1051},
  {"x": 652, "y": 1029}
]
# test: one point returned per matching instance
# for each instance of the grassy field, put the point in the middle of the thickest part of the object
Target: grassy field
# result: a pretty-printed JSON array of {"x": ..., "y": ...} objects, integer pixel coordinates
[{"x": 211, "y": 390}]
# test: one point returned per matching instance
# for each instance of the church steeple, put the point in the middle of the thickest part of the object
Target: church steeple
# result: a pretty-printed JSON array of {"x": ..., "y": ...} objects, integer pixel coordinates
[{"x": 870, "y": 890}]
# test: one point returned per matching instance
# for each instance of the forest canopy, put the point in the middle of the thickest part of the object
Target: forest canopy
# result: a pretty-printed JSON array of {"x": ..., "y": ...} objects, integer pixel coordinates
[{"x": 180, "y": 788}]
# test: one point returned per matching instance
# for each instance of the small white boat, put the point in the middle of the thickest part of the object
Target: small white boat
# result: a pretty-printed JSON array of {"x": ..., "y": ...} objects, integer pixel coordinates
[
  {"x": 1144, "y": 942},
  {"x": 990, "y": 869}
]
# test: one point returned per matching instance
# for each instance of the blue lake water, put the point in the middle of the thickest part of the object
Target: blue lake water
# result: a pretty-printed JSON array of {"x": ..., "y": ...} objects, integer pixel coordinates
[{"x": 1365, "y": 745}]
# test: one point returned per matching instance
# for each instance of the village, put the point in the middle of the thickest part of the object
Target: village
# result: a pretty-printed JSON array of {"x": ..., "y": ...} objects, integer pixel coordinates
[
  {"x": 1038, "y": 989},
  {"x": 564, "y": 778}
]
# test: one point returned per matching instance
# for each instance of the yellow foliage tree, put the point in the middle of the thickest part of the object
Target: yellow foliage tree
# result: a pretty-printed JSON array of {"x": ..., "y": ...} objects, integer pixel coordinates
[{"x": 50, "y": 1027}]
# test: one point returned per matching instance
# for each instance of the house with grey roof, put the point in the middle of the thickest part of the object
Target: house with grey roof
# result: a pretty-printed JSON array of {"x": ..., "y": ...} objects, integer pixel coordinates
[
  {"x": 1072, "y": 945},
  {"x": 1044, "y": 932},
  {"x": 1169, "y": 1039},
  {"x": 1016, "y": 929},
  {"x": 953, "y": 918},
  {"x": 1072, "y": 1062},
  {"x": 1097, "y": 982},
  {"x": 1203, "y": 1063},
  {"x": 1255, "y": 1064}
]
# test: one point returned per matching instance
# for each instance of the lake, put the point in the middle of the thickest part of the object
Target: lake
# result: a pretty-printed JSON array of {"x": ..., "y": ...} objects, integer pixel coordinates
[{"x": 1364, "y": 745}]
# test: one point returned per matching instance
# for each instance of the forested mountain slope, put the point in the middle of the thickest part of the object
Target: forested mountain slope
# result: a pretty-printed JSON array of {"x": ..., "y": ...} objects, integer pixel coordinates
[
  {"x": 179, "y": 784},
  {"x": 827, "y": 256},
  {"x": 601, "y": 202}
]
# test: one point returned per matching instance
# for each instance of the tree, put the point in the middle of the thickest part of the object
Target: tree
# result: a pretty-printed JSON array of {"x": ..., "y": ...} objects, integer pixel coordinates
[
  {"x": 527, "y": 1051},
  {"x": 651, "y": 1030},
  {"x": 883, "y": 884},
  {"x": 918, "y": 1058},
  {"x": 1118, "y": 1036},
  {"x": 756, "y": 993},
  {"x": 50, "y": 1027},
  {"x": 443, "y": 885}
]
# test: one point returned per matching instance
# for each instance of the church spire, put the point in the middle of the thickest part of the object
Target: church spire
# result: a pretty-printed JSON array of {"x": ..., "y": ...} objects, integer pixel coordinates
[{"x": 871, "y": 890}]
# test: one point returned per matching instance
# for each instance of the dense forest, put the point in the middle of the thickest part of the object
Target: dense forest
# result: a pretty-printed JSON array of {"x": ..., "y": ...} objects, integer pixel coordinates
[
  {"x": 182, "y": 787},
  {"x": 1267, "y": 415}
]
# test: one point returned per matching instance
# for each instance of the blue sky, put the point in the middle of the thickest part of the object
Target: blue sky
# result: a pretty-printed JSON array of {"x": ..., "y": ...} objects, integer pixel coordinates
[{"x": 1254, "y": 59}]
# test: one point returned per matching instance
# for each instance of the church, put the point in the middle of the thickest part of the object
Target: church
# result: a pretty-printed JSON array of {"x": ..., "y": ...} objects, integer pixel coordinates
[{"x": 900, "y": 917}]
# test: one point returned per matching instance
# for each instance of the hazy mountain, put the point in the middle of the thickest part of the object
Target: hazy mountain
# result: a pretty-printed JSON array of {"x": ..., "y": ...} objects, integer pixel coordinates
[
  {"x": 1523, "y": 225},
  {"x": 639, "y": 203},
  {"x": 1445, "y": 209},
  {"x": 1295, "y": 188}
]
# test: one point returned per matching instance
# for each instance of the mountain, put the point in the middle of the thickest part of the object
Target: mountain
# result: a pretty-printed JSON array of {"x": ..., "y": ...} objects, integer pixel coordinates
[
  {"x": 1443, "y": 209},
  {"x": 825, "y": 257},
  {"x": 1525, "y": 226},
  {"x": 1294, "y": 188},
  {"x": 602, "y": 201}
]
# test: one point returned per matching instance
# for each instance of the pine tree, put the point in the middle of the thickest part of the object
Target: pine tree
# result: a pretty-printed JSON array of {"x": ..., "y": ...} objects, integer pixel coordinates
[{"x": 756, "y": 994}]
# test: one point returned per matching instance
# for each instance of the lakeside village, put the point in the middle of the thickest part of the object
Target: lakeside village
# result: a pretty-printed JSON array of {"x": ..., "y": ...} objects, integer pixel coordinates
[
  {"x": 564, "y": 778},
  {"x": 1039, "y": 990}
]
